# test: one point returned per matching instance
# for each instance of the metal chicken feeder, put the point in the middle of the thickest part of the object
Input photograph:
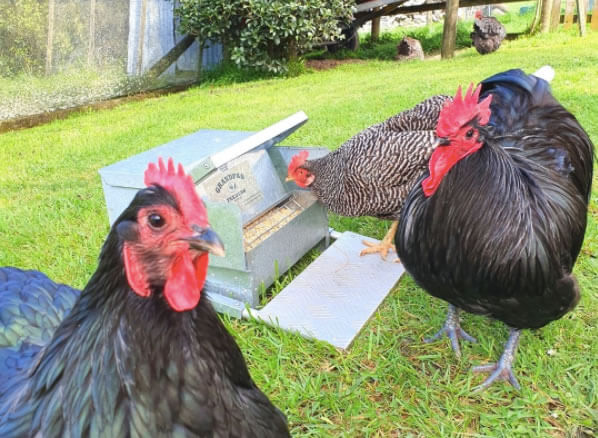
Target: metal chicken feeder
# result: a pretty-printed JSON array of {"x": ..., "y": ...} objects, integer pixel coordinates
[{"x": 266, "y": 224}]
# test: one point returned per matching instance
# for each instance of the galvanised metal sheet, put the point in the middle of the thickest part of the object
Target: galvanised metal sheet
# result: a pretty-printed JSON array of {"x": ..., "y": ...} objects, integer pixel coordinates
[
  {"x": 250, "y": 181},
  {"x": 334, "y": 297}
]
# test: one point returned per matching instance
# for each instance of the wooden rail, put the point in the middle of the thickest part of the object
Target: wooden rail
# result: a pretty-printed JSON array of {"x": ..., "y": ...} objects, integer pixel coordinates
[{"x": 416, "y": 9}]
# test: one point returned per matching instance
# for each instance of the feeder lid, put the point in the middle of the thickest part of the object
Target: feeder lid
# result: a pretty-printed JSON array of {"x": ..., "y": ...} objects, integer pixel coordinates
[{"x": 202, "y": 152}]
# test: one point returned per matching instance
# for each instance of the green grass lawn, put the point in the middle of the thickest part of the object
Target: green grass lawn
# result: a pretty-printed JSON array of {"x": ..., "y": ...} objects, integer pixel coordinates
[{"x": 53, "y": 218}]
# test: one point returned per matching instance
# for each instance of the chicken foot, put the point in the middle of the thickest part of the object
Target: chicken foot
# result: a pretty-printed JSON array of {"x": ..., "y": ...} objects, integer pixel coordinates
[
  {"x": 452, "y": 329},
  {"x": 384, "y": 246},
  {"x": 501, "y": 370}
]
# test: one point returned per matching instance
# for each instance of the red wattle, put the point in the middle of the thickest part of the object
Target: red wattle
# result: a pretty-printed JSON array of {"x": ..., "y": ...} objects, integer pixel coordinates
[
  {"x": 441, "y": 161},
  {"x": 201, "y": 269},
  {"x": 183, "y": 287}
]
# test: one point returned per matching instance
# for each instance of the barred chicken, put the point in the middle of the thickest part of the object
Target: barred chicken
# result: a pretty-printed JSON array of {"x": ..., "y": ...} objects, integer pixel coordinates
[{"x": 372, "y": 173}]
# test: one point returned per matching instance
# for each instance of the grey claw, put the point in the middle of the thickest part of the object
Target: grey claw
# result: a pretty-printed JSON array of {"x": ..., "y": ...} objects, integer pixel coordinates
[
  {"x": 501, "y": 370},
  {"x": 452, "y": 329},
  {"x": 498, "y": 373}
]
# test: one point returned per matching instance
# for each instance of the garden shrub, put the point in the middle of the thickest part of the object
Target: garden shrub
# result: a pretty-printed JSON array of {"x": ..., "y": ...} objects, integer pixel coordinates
[{"x": 264, "y": 34}]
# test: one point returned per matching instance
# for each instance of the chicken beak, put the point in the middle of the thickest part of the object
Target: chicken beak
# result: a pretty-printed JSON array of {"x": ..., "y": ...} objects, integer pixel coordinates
[
  {"x": 206, "y": 240},
  {"x": 289, "y": 178},
  {"x": 443, "y": 142}
]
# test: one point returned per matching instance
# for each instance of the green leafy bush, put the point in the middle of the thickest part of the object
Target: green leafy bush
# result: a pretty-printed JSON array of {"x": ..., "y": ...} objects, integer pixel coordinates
[
  {"x": 264, "y": 34},
  {"x": 22, "y": 36}
]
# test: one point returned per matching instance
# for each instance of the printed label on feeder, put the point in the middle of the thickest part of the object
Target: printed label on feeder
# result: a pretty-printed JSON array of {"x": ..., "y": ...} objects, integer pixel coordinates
[{"x": 233, "y": 184}]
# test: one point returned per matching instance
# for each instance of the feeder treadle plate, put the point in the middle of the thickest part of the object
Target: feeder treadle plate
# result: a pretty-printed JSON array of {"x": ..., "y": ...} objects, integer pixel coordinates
[{"x": 333, "y": 298}]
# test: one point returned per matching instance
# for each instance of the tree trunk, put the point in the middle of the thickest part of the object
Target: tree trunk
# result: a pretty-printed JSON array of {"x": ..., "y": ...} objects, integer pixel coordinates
[
  {"x": 546, "y": 16},
  {"x": 537, "y": 16},
  {"x": 293, "y": 55},
  {"x": 555, "y": 15},
  {"x": 581, "y": 16},
  {"x": 92, "y": 32},
  {"x": 375, "y": 29},
  {"x": 449, "y": 33},
  {"x": 50, "y": 43}
]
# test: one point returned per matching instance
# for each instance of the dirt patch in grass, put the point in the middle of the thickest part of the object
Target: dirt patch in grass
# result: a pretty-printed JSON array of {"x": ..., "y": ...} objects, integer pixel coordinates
[
  {"x": 41, "y": 118},
  {"x": 326, "y": 64}
]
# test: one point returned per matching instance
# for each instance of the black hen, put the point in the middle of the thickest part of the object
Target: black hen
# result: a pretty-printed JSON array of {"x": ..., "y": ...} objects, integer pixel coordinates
[
  {"x": 138, "y": 352},
  {"x": 497, "y": 223},
  {"x": 487, "y": 34}
]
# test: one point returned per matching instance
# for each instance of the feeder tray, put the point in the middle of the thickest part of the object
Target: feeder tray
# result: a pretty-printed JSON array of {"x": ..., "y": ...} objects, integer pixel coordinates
[
  {"x": 266, "y": 224},
  {"x": 335, "y": 296}
]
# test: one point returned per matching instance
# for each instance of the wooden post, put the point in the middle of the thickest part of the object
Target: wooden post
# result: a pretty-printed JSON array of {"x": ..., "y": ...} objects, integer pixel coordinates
[
  {"x": 170, "y": 58},
  {"x": 595, "y": 16},
  {"x": 200, "y": 49},
  {"x": 50, "y": 43},
  {"x": 555, "y": 15},
  {"x": 546, "y": 16},
  {"x": 428, "y": 14},
  {"x": 449, "y": 32},
  {"x": 581, "y": 16},
  {"x": 569, "y": 6},
  {"x": 92, "y": 32},
  {"x": 375, "y": 29},
  {"x": 142, "y": 20}
]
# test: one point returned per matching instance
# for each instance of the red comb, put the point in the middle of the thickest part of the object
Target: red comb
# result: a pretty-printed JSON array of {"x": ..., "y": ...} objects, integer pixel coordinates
[
  {"x": 181, "y": 186},
  {"x": 462, "y": 110},
  {"x": 297, "y": 161}
]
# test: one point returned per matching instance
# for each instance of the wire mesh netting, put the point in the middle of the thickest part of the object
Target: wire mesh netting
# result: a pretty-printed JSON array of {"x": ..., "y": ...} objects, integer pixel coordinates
[{"x": 57, "y": 54}]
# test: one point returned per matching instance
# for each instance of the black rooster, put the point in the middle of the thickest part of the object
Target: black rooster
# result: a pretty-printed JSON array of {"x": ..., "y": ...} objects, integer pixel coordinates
[
  {"x": 137, "y": 352},
  {"x": 496, "y": 225},
  {"x": 487, "y": 34}
]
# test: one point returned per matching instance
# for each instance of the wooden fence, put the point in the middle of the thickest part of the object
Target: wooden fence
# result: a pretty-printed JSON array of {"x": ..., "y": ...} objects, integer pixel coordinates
[{"x": 570, "y": 17}]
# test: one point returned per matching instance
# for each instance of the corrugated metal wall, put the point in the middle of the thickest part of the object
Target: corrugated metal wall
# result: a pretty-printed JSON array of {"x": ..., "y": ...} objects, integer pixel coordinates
[{"x": 157, "y": 31}]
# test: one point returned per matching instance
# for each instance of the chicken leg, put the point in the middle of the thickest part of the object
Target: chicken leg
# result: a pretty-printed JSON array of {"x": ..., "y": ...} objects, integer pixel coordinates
[
  {"x": 501, "y": 370},
  {"x": 384, "y": 246},
  {"x": 452, "y": 329}
]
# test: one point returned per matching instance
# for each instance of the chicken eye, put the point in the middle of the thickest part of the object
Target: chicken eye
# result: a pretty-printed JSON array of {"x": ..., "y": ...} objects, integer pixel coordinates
[
  {"x": 469, "y": 133},
  {"x": 156, "y": 221}
]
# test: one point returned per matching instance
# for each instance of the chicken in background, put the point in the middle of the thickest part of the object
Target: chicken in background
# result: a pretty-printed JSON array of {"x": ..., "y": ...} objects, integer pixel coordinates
[
  {"x": 139, "y": 352},
  {"x": 496, "y": 224},
  {"x": 487, "y": 34},
  {"x": 372, "y": 173}
]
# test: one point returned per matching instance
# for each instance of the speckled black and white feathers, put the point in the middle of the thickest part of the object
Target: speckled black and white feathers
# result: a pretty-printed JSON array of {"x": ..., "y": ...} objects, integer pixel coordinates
[
  {"x": 372, "y": 172},
  {"x": 488, "y": 33},
  {"x": 422, "y": 117},
  {"x": 119, "y": 365},
  {"x": 502, "y": 232}
]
